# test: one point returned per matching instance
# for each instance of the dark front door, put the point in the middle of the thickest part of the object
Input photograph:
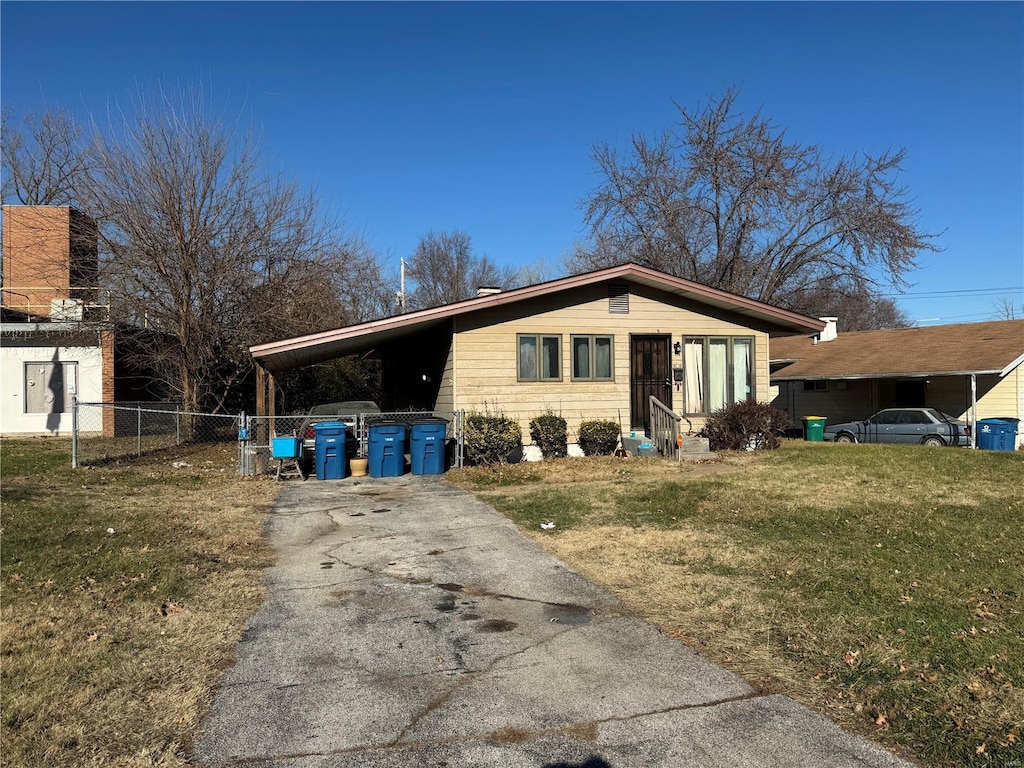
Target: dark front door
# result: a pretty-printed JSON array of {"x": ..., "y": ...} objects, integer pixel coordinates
[{"x": 649, "y": 375}]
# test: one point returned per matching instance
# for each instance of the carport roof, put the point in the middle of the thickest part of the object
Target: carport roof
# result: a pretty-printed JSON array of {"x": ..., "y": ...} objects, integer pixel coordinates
[
  {"x": 940, "y": 350},
  {"x": 287, "y": 354}
]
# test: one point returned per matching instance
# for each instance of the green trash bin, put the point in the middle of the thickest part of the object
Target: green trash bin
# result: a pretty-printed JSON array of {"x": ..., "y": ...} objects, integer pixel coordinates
[{"x": 814, "y": 429}]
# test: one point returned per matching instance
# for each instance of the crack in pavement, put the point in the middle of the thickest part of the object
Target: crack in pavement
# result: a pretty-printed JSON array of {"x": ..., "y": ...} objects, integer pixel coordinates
[
  {"x": 573, "y": 729},
  {"x": 470, "y": 677}
]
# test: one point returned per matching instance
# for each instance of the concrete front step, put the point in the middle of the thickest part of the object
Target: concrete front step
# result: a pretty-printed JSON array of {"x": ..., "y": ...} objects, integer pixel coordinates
[{"x": 643, "y": 446}]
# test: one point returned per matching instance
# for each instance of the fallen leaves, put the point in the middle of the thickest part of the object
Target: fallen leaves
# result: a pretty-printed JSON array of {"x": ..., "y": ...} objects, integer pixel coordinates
[{"x": 170, "y": 607}]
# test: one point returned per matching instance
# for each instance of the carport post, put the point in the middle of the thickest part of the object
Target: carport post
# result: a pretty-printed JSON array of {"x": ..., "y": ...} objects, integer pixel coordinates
[
  {"x": 974, "y": 410},
  {"x": 260, "y": 435}
]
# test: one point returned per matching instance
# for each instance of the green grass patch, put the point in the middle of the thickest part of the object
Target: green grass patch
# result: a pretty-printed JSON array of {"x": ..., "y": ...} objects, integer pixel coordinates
[{"x": 539, "y": 507}]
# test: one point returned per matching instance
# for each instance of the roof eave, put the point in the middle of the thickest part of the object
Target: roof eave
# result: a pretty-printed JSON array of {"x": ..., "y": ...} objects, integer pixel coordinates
[
  {"x": 266, "y": 354},
  {"x": 1011, "y": 366},
  {"x": 889, "y": 375}
]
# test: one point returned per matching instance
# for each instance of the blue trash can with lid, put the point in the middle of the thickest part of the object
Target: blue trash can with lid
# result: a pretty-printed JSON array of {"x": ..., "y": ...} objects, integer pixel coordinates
[
  {"x": 426, "y": 445},
  {"x": 997, "y": 434},
  {"x": 329, "y": 450},
  {"x": 385, "y": 448}
]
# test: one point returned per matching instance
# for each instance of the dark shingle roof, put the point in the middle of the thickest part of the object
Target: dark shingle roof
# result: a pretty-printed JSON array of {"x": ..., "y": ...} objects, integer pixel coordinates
[{"x": 932, "y": 351}]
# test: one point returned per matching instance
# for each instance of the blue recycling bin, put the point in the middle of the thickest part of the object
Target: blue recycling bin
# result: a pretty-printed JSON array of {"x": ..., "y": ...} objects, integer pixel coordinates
[
  {"x": 385, "y": 448},
  {"x": 997, "y": 434},
  {"x": 426, "y": 445},
  {"x": 329, "y": 449}
]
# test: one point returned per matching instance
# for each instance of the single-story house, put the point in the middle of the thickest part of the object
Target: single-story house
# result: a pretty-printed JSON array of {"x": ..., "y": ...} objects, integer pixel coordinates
[
  {"x": 971, "y": 371},
  {"x": 590, "y": 346}
]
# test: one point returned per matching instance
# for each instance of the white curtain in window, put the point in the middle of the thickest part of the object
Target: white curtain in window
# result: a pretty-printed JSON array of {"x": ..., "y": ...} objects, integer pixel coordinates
[
  {"x": 551, "y": 361},
  {"x": 694, "y": 375},
  {"x": 581, "y": 357},
  {"x": 528, "y": 358},
  {"x": 718, "y": 380},
  {"x": 602, "y": 357},
  {"x": 741, "y": 362}
]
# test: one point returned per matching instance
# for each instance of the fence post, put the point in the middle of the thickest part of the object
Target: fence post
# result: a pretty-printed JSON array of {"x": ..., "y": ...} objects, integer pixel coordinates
[
  {"x": 74, "y": 432},
  {"x": 460, "y": 444},
  {"x": 138, "y": 429},
  {"x": 177, "y": 425},
  {"x": 241, "y": 443}
]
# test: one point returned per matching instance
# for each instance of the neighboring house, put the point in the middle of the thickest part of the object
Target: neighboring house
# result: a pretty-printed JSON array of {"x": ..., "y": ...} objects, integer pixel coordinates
[
  {"x": 57, "y": 342},
  {"x": 591, "y": 346},
  {"x": 850, "y": 376},
  {"x": 50, "y": 353}
]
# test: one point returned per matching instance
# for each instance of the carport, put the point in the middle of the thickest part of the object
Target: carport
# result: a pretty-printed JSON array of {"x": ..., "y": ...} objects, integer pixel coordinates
[{"x": 971, "y": 371}]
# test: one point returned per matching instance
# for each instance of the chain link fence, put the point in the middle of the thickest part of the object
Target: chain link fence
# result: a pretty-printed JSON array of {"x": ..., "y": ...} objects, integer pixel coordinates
[
  {"x": 106, "y": 432},
  {"x": 257, "y": 453}
]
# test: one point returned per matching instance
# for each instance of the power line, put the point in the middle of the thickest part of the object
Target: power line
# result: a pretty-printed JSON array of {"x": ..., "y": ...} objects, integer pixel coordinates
[
  {"x": 963, "y": 293},
  {"x": 983, "y": 315}
]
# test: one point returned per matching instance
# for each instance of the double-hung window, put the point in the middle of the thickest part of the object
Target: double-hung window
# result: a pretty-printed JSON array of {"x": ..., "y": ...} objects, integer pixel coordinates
[
  {"x": 592, "y": 358},
  {"x": 539, "y": 357},
  {"x": 718, "y": 371}
]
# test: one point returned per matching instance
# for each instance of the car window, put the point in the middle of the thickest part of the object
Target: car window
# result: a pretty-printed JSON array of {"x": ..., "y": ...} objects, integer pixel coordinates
[
  {"x": 915, "y": 417},
  {"x": 885, "y": 417}
]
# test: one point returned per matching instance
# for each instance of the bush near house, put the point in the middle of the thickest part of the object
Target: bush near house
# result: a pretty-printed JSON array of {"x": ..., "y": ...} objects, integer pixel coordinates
[
  {"x": 548, "y": 431},
  {"x": 744, "y": 426},
  {"x": 492, "y": 439},
  {"x": 598, "y": 438}
]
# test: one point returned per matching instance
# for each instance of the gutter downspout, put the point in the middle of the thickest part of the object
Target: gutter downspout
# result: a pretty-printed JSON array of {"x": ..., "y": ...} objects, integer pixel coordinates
[{"x": 974, "y": 410}]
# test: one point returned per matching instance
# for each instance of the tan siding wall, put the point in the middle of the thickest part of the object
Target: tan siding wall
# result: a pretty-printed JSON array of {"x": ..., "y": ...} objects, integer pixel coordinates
[
  {"x": 446, "y": 392},
  {"x": 1002, "y": 399},
  {"x": 485, "y": 353}
]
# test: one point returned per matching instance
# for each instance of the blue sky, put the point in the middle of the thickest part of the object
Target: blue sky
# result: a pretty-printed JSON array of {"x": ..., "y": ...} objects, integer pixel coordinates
[{"x": 482, "y": 117}]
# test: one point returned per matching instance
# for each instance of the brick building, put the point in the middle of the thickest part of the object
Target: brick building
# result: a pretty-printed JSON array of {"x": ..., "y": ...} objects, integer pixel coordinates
[{"x": 54, "y": 348}]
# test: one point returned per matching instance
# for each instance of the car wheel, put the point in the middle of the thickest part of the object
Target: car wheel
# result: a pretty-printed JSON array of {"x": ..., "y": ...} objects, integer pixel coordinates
[
  {"x": 845, "y": 437},
  {"x": 934, "y": 440}
]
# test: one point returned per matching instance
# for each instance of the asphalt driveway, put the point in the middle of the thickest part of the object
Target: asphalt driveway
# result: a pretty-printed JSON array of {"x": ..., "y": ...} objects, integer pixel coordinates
[{"x": 408, "y": 624}]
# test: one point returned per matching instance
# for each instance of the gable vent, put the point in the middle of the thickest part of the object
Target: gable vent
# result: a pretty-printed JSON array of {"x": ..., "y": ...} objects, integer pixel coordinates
[{"x": 618, "y": 299}]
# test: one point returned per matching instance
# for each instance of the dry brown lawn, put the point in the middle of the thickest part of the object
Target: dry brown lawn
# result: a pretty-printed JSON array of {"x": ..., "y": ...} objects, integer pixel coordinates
[
  {"x": 112, "y": 643},
  {"x": 880, "y": 585}
]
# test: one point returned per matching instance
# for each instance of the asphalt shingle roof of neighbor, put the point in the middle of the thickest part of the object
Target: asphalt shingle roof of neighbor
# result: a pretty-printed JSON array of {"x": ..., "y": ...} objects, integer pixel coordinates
[{"x": 932, "y": 351}]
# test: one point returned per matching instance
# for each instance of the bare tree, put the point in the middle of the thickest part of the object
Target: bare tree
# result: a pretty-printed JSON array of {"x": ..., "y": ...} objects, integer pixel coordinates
[
  {"x": 445, "y": 270},
  {"x": 856, "y": 308},
  {"x": 45, "y": 158},
  {"x": 725, "y": 200},
  {"x": 207, "y": 249},
  {"x": 539, "y": 271},
  {"x": 1005, "y": 309}
]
